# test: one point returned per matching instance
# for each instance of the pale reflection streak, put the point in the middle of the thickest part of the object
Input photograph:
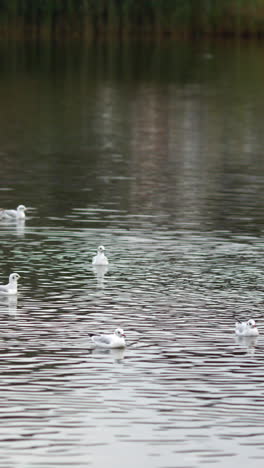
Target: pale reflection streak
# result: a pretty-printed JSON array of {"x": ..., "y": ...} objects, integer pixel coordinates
[
  {"x": 247, "y": 343},
  {"x": 116, "y": 353},
  {"x": 17, "y": 224},
  {"x": 167, "y": 156},
  {"x": 178, "y": 156},
  {"x": 9, "y": 304},
  {"x": 149, "y": 151},
  {"x": 20, "y": 227},
  {"x": 100, "y": 271}
]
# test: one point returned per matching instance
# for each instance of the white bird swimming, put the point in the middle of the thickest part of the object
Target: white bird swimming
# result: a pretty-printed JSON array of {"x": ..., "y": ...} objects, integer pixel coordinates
[
  {"x": 248, "y": 328},
  {"x": 11, "y": 287},
  {"x": 116, "y": 340},
  {"x": 100, "y": 258},
  {"x": 19, "y": 213}
]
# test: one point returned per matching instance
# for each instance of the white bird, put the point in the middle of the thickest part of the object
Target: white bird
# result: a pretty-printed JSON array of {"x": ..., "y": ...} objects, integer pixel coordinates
[
  {"x": 19, "y": 213},
  {"x": 100, "y": 258},
  {"x": 116, "y": 340},
  {"x": 11, "y": 287},
  {"x": 248, "y": 328}
]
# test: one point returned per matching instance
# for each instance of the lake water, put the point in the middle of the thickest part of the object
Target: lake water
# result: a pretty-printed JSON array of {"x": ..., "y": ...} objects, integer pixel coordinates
[{"x": 156, "y": 152}]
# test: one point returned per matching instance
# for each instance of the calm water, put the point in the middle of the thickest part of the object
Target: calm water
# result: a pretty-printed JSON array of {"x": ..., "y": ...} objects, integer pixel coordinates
[{"x": 156, "y": 153}]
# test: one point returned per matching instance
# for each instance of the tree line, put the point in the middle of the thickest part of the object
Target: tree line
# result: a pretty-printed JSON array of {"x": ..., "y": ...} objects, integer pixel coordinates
[{"x": 154, "y": 18}]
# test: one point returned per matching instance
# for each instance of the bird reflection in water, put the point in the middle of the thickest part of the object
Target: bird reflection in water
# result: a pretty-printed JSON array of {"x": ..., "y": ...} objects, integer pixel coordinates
[
  {"x": 18, "y": 224},
  {"x": 116, "y": 353},
  {"x": 247, "y": 343},
  {"x": 20, "y": 227},
  {"x": 9, "y": 304},
  {"x": 100, "y": 271}
]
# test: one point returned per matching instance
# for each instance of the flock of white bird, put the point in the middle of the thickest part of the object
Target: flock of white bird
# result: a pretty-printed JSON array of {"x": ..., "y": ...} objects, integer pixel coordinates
[{"x": 117, "y": 339}]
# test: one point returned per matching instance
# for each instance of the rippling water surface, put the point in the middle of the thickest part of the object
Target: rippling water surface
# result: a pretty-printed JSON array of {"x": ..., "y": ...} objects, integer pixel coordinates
[{"x": 156, "y": 153}]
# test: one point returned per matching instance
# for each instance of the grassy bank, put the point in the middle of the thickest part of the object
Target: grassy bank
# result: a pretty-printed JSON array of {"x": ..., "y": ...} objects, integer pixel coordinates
[{"x": 153, "y": 18}]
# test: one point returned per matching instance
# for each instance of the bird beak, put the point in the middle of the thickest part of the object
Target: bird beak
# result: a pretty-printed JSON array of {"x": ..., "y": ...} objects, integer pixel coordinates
[{"x": 123, "y": 334}]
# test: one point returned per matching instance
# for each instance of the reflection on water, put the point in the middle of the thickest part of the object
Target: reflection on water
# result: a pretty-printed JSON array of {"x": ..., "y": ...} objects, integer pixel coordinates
[
  {"x": 8, "y": 304},
  {"x": 100, "y": 271},
  {"x": 19, "y": 225},
  {"x": 117, "y": 354},
  {"x": 247, "y": 343},
  {"x": 157, "y": 154}
]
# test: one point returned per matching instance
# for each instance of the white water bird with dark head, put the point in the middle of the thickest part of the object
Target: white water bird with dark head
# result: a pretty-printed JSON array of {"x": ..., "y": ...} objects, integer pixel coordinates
[
  {"x": 100, "y": 258},
  {"x": 248, "y": 328},
  {"x": 116, "y": 340},
  {"x": 11, "y": 287}
]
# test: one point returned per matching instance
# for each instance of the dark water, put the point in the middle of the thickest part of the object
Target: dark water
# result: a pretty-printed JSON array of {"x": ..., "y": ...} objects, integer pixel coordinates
[{"x": 155, "y": 152}]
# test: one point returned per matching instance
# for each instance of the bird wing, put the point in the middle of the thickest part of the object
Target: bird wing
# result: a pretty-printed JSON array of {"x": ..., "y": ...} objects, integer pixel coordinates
[
  {"x": 3, "y": 288},
  {"x": 102, "y": 339},
  {"x": 11, "y": 213},
  {"x": 240, "y": 327}
]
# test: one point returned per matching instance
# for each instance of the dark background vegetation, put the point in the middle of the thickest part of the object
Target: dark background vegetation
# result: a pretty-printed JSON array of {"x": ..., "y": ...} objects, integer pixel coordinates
[{"x": 126, "y": 18}]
